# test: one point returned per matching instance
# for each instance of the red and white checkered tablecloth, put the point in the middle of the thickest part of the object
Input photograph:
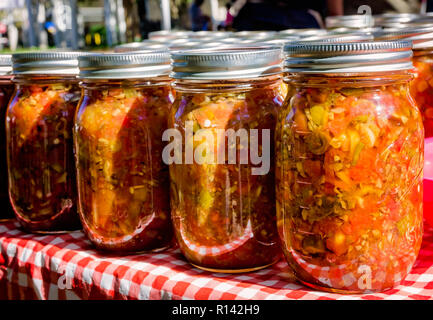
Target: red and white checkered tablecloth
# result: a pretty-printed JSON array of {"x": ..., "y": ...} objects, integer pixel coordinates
[{"x": 67, "y": 267}]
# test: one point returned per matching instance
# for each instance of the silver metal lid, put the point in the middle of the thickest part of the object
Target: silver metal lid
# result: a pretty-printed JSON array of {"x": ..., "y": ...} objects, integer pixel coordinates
[
  {"x": 355, "y": 21},
  {"x": 46, "y": 63},
  {"x": 422, "y": 38},
  {"x": 382, "y": 19},
  {"x": 131, "y": 65},
  {"x": 183, "y": 41},
  {"x": 241, "y": 41},
  {"x": 202, "y": 39},
  {"x": 168, "y": 34},
  {"x": 279, "y": 41},
  {"x": 227, "y": 64},
  {"x": 230, "y": 40},
  {"x": 254, "y": 34},
  {"x": 139, "y": 46},
  {"x": 346, "y": 37},
  {"x": 399, "y": 25},
  {"x": 196, "y": 45},
  {"x": 209, "y": 34},
  {"x": 304, "y": 31},
  {"x": 5, "y": 64},
  {"x": 163, "y": 40},
  {"x": 369, "y": 30},
  {"x": 348, "y": 57}
]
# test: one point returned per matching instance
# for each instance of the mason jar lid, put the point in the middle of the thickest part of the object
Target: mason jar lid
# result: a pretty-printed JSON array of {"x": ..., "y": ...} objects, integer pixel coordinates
[
  {"x": 196, "y": 45},
  {"x": 345, "y": 37},
  {"x": 163, "y": 35},
  {"x": 5, "y": 64},
  {"x": 348, "y": 57},
  {"x": 46, "y": 62},
  {"x": 139, "y": 46},
  {"x": 243, "y": 41},
  {"x": 355, "y": 21},
  {"x": 227, "y": 63},
  {"x": 400, "y": 25},
  {"x": 422, "y": 37},
  {"x": 381, "y": 19},
  {"x": 230, "y": 39},
  {"x": 329, "y": 38},
  {"x": 344, "y": 30},
  {"x": 198, "y": 39},
  {"x": 303, "y": 31},
  {"x": 131, "y": 65},
  {"x": 209, "y": 34},
  {"x": 278, "y": 41},
  {"x": 183, "y": 40},
  {"x": 254, "y": 34}
]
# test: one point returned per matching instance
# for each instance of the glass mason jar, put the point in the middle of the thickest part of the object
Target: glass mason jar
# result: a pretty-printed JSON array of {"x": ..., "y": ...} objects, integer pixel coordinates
[
  {"x": 6, "y": 91},
  {"x": 222, "y": 196},
  {"x": 123, "y": 184},
  {"x": 39, "y": 124},
  {"x": 349, "y": 166},
  {"x": 421, "y": 86}
]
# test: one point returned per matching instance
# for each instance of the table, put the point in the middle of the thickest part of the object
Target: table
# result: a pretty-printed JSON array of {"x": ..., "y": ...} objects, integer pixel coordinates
[{"x": 67, "y": 267}]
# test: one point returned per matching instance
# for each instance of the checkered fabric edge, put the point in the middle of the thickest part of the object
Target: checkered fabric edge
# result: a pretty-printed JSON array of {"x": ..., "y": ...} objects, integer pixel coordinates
[{"x": 67, "y": 267}]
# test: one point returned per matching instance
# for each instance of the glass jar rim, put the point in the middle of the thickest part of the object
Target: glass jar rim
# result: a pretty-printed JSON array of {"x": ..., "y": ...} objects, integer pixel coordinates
[{"x": 350, "y": 79}]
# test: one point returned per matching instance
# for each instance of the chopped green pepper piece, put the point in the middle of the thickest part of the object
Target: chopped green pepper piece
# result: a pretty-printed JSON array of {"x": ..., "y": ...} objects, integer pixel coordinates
[
  {"x": 357, "y": 153},
  {"x": 317, "y": 114}
]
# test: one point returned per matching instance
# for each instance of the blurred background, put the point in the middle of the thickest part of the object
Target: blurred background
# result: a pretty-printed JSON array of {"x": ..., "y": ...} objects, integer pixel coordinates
[{"x": 86, "y": 24}]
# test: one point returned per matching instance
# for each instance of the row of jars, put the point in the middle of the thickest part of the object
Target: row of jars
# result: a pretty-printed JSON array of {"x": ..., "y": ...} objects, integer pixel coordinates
[
  {"x": 341, "y": 142},
  {"x": 414, "y": 27}
]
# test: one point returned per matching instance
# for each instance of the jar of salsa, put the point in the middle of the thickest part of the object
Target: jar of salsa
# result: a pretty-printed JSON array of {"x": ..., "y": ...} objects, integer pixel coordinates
[
  {"x": 39, "y": 120},
  {"x": 349, "y": 166},
  {"x": 421, "y": 86},
  {"x": 6, "y": 90},
  {"x": 123, "y": 183},
  {"x": 222, "y": 194}
]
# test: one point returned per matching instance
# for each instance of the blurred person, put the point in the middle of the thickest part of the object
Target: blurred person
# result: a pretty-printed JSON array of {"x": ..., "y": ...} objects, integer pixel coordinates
[
  {"x": 50, "y": 28},
  {"x": 428, "y": 5},
  {"x": 283, "y": 14},
  {"x": 229, "y": 18},
  {"x": 227, "y": 23},
  {"x": 199, "y": 21},
  {"x": 3, "y": 35},
  {"x": 145, "y": 25},
  {"x": 13, "y": 35}
]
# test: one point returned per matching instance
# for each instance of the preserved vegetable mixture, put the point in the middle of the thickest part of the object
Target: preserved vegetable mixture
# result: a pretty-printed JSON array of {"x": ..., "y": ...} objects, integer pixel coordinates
[
  {"x": 39, "y": 124},
  {"x": 123, "y": 182},
  {"x": 349, "y": 163},
  {"x": 6, "y": 90},
  {"x": 421, "y": 86},
  {"x": 223, "y": 213}
]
